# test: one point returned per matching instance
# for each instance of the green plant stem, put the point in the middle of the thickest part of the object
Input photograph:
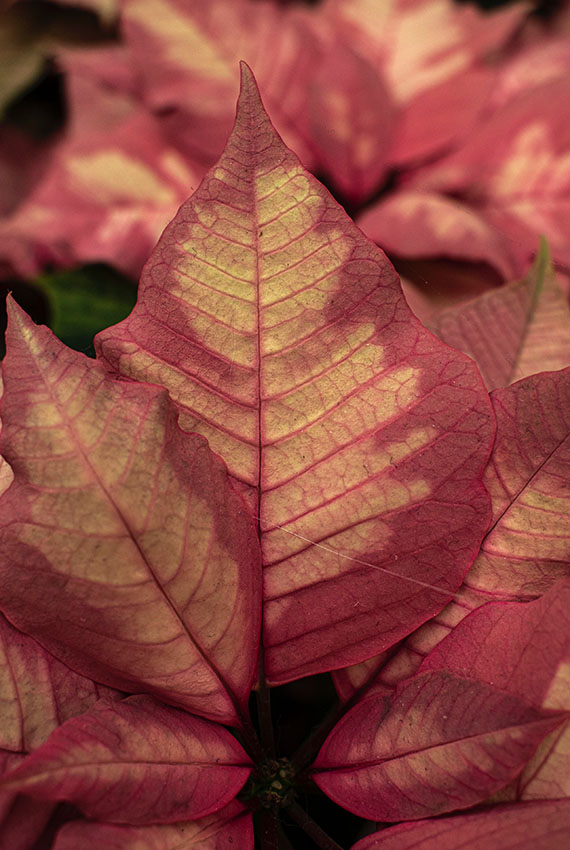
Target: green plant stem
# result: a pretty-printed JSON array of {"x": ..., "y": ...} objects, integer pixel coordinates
[{"x": 313, "y": 830}]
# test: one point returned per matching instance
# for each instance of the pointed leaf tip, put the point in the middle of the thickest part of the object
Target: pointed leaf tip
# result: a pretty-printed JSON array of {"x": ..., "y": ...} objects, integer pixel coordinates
[
  {"x": 250, "y": 105},
  {"x": 16, "y": 314}
]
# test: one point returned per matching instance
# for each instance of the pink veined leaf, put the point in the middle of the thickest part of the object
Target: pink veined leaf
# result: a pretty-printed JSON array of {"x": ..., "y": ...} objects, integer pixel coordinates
[
  {"x": 137, "y": 762},
  {"x": 514, "y": 331},
  {"x": 547, "y": 775},
  {"x": 283, "y": 336},
  {"x": 523, "y": 648},
  {"x": 37, "y": 692},
  {"x": 544, "y": 824},
  {"x": 465, "y": 725},
  {"x": 349, "y": 680},
  {"x": 527, "y": 547},
  {"x": 231, "y": 827},
  {"x": 129, "y": 527},
  {"x": 439, "y": 743}
]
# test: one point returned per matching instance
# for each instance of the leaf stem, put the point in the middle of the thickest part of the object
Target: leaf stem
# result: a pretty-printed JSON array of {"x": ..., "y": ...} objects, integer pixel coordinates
[
  {"x": 269, "y": 822},
  {"x": 250, "y": 739},
  {"x": 263, "y": 698},
  {"x": 313, "y": 830},
  {"x": 307, "y": 752}
]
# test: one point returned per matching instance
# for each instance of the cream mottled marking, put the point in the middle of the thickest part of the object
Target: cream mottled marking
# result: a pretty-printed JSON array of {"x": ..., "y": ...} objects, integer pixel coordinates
[{"x": 112, "y": 176}]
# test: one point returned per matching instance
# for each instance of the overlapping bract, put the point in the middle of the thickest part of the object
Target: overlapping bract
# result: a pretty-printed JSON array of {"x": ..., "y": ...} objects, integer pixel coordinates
[
  {"x": 262, "y": 303},
  {"x": 138, "y": 762},
  {"x": 113, "y": 509},
  {"x": 478, "y": 681}
]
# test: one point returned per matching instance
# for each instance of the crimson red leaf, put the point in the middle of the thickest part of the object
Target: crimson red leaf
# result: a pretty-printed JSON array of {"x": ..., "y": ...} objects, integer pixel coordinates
[
  {"x": 124, "y": 549},
  {"x": 543, "y": 825},
  {"x": 440, "y": 743},
  {"x": 283, "y": 336},
  {"x": 525, "y": 648},
  {"x": 229, "y": 828},
  {"x": 22, "y": 820},
  {"x": 137, "y": 762}
]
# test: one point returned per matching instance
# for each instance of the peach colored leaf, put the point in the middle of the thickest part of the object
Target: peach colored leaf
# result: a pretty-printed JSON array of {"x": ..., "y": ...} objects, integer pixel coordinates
[
  {"x": 513, "y": 331},
  {"x": 229, "y": 829},
  {"x": 187, "y": 54},
  {"x": 352, "y": 120},
  {"x": 283, "y": 336},
  {"x": 137, "y": 762},
  {"x": 37, "y": 692},
  {"x": 106, "y": 196},
  {"x": 527, "y": 826},
  {"x": 514, "y": 172},
  {"x": 421, "y": 43},
  {"x": 125, "y": 551},
  {"x": 441, "y": 742},
  {"x": 420, "y": 224}
]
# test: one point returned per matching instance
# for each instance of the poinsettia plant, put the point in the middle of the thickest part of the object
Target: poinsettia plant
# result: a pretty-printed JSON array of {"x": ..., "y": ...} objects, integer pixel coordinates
[{"x": 272, "y": 471}]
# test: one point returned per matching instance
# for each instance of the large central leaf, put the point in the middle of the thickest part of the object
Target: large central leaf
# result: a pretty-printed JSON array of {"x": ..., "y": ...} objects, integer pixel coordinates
[{"x": 282, "y": 334}]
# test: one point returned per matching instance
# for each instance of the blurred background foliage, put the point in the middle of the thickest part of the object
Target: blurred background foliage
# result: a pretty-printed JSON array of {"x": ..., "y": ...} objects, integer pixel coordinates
[{"x": 77, "y": 302}]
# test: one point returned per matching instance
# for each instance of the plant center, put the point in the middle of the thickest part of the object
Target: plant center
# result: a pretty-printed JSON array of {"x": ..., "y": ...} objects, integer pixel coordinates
[{"x": 272, "y": 785}]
